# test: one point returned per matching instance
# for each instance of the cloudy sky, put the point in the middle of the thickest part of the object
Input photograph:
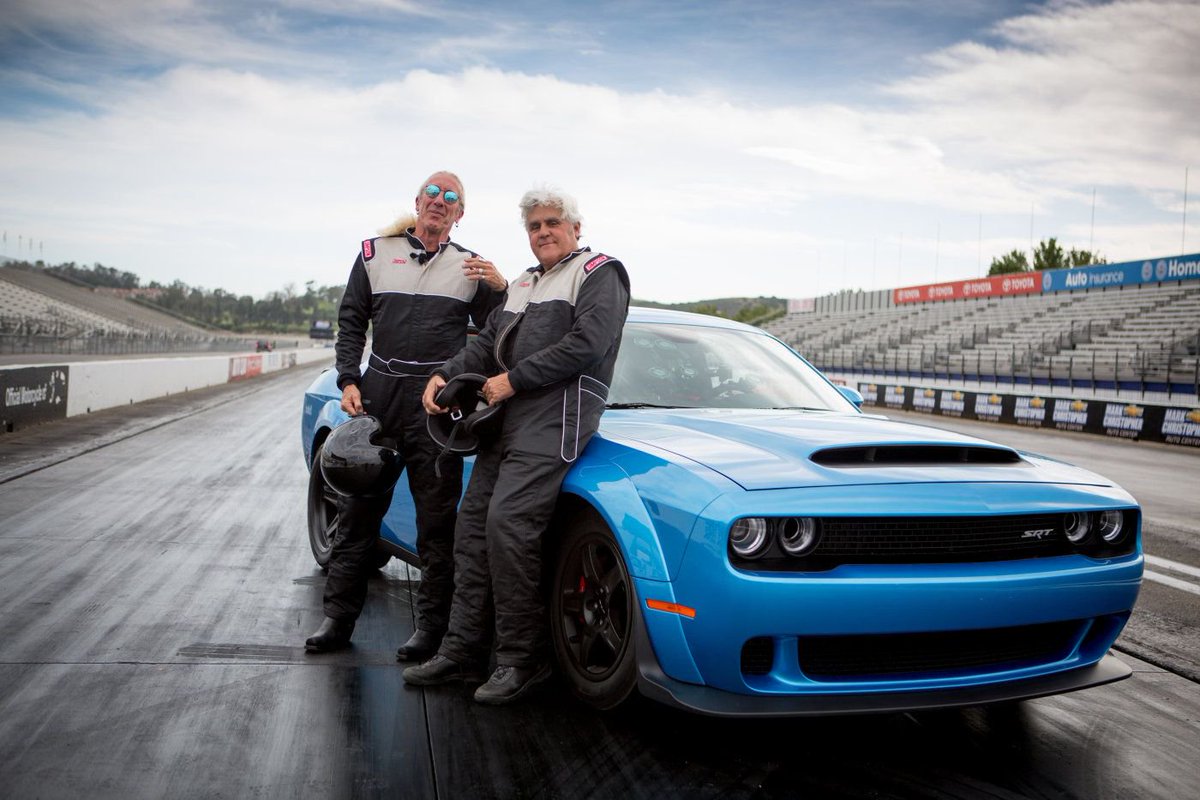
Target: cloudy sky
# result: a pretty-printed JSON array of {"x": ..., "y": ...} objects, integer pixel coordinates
[{"x": 718, "y": 148}]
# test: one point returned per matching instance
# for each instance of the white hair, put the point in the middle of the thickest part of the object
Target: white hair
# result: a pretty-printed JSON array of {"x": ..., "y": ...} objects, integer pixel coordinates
[{"x": 551, "y": 198}]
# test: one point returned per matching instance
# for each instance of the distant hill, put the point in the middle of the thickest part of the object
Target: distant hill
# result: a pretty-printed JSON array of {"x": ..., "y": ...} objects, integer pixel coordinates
[{"x": 745, "y": 309}]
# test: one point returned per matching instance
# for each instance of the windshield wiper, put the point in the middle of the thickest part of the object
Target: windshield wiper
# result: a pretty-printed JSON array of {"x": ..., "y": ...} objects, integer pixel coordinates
[
  {"x": 642, "y": 405},
  {"x": 797, "y": 408}
]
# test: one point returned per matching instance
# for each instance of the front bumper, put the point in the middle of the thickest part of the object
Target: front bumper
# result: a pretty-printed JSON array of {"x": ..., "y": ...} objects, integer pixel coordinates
[{"x": 656, "y": 685}]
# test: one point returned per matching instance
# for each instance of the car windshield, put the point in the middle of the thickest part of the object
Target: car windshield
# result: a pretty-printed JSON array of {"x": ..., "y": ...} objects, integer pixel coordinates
[{"x": 691, "y": 366}]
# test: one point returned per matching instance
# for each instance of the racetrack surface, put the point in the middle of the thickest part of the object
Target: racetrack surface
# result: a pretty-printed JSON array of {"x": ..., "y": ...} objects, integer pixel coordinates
[{"x": 156, "y": 589}]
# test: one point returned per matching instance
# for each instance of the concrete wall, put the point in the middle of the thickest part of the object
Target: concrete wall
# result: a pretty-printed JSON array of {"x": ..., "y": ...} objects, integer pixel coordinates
[
  {"x": 104, "y": 384},
  {"x": 40, "y": 392}
]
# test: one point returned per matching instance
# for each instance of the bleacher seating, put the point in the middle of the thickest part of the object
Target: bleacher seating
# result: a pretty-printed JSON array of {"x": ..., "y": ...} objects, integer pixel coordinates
[
  {"x": 40, "y": 314},
  {"x": 1146, "y": 334},
  {"x": 54, "y": 299}
]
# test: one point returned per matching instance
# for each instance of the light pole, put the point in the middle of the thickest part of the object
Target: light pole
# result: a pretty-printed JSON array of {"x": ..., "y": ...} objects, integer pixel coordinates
[
  {"x": 1092, "y": 236},
  {"x": 1183, "y": 234}
]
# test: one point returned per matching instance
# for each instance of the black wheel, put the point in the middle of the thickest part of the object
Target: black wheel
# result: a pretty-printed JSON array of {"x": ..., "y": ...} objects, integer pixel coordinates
[
  {"x": 323, "y": 518},
  {"x": 322, "y": 513},
  {"x": 591, "y": 615}
]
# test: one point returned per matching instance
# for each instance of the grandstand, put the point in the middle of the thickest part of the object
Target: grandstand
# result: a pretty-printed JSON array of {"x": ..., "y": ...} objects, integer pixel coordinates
[
  {"x": 40, "y": 313},
  {"x": 1142, "y": 337}
]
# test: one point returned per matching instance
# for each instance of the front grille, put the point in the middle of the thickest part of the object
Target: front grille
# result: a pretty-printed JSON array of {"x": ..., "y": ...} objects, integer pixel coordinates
[
  {"x": 921, "y": 540},
  {"x": 907, "y": 654},
  {"x": 887, "y": 540}
]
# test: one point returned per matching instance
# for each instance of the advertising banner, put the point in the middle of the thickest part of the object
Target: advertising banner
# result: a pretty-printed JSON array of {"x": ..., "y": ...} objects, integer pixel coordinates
[
  {"x": 1074, "y": 415},
  {"x": 991, "y": 286},
  {"x": 1124, "y": 419},
  {"x": 895, "y": 397},
  {"x": 31, "y": 395},
  {"x": 241, "y": 367},
  {"x": 870, "y": 393},
  {"x": 1180, "y": 426},
  {"x": 1126, "y": 273},
  {"x": 953, "y": 403},
  {"x": 1030, "y": 411},
  {"x": 924, "y": 400},
  {"x": 801, "y": 305}
]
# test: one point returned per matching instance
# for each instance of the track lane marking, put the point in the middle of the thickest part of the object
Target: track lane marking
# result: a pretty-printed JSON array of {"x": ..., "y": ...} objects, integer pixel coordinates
[
  {"x": 1174, "y": 583},
  {"x": 1173, "y": 566}
]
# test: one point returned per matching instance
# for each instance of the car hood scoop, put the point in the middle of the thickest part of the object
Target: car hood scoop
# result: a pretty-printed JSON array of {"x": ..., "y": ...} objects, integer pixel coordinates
[
  {"x": 913, "y": 455},
  {"x": 769, "y": 449}
]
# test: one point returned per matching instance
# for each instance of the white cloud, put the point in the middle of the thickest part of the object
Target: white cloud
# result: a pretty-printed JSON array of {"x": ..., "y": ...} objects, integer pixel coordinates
[{"x": 237, "y": 179}]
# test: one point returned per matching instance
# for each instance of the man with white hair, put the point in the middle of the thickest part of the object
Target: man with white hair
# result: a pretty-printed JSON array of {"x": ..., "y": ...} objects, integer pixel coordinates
[
  {"x": 549, "y": 353},
  {"x": 417, "y": 290}
]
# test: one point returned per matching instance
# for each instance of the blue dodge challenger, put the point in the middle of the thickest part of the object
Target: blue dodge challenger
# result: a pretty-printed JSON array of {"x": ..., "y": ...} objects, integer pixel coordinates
[{"x": 740, "y": 539}]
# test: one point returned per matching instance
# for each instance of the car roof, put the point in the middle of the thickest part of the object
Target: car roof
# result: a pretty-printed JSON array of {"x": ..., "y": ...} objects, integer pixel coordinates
[{"x": 668, "y": 316}]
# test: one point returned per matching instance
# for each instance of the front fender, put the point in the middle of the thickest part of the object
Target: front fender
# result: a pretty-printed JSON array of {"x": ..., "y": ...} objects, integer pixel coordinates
[{"x": 608, "y": 490}]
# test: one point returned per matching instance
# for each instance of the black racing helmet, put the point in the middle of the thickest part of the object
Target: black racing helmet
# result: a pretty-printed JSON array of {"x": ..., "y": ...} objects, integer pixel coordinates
[
  {"x": 358, "y": 461},
  {"x": 470, "y": 417}
]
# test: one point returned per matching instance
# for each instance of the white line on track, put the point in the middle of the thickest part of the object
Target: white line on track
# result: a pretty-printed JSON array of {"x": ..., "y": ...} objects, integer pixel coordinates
[
  {"x": 1174, "y": 583},
  {"x": 1173, "y": 566}
]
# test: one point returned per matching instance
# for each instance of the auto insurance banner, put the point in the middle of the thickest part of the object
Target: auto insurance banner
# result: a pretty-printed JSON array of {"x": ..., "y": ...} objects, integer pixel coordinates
[
  {"x": 31, "y": 395},
  {"x": 1126, "y": 273}
]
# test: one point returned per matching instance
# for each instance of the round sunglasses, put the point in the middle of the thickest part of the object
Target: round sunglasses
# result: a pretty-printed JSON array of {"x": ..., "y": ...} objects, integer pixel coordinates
[{"x": 433, "y": 190}]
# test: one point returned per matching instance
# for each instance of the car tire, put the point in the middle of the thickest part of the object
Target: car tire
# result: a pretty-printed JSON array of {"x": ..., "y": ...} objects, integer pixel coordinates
[
  {"x": 591, "y": 615},
  {"x": 322, "y": 513},
  {"x": 323, "y": 519}
]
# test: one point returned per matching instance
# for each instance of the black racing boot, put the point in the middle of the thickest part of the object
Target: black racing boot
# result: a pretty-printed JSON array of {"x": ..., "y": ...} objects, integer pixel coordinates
[
  {"x": 334, "y": 634},
  {"x": 509, "y": 683},
  {"x": 420, "y": 646},
  {"x": 439, "y": 670}
]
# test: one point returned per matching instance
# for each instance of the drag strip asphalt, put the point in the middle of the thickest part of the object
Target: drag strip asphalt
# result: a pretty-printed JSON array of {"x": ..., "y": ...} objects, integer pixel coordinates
[{"x": 156, "y": 587}]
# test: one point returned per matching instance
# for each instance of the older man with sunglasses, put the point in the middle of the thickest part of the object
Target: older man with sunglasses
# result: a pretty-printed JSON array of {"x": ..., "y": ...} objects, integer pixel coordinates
[
  {"x": 416, "y": 289},
  {"x": 549, "y": 353}
]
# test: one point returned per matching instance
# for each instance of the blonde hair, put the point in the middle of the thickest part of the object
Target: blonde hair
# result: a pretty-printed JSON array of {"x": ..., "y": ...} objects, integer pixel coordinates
[{"x": 401, "y": 224}]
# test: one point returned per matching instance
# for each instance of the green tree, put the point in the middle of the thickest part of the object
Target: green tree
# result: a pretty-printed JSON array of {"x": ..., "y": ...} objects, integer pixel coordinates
[
  {"x": 708, "y": 308},
  {"x": 1049, "y": 255},
  {"x": 1082, "y": 258},
  {"x": 1009, "y": 262}
]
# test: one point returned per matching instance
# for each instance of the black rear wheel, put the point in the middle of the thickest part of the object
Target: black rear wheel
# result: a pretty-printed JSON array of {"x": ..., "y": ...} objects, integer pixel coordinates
[{"x": 591, "y": 615}]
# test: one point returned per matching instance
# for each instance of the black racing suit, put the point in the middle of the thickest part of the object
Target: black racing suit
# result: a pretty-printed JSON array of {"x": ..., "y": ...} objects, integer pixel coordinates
[
  {"x": 557, "y": 337},
  {"x": 417, "y": 305}
]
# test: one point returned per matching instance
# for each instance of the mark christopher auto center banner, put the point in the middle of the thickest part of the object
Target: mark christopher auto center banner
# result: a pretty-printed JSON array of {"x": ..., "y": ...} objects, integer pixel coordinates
[{"x": 1124, "y": 420}]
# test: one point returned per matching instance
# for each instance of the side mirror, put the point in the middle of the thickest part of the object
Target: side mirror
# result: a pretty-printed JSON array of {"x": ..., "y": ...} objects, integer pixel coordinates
[{"x": 851, "y": 394}]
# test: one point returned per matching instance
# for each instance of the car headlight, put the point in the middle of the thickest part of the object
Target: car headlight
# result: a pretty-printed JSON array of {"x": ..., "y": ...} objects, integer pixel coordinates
[
  {"x": 798, "y": 535},
  {"x": 1077, "y": 526},
  {"x": 1112, "y": 526},
  {"x": 748, "y": 537}
]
